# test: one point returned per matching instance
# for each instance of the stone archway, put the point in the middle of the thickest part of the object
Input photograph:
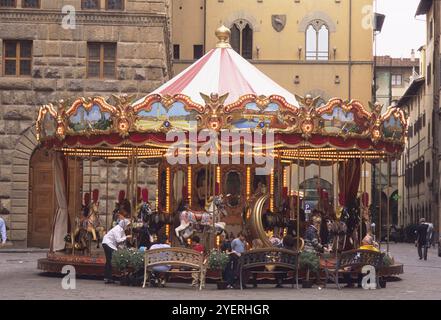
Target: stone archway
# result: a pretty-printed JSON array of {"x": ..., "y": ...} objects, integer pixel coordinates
[{"x": 20, "y": 186}]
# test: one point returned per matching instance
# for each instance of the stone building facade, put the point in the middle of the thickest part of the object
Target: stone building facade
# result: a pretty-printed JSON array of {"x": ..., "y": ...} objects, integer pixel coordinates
[
  {"x": 76, "y": 48},
  {"x": 320, "y": 47},
  {"x": 419, "y": 168}
]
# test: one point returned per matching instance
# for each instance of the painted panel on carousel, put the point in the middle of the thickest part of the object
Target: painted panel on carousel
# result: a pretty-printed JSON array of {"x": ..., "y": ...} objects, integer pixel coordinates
[
  {"x": 49, "y": 126},
  {"x": 159, "y": 117},
  {"x": 392, "y": 128},
  {"x": 254, "y": 117},
  {"x": 340, "y": 121},
  {"x": 90, "y": 120}
]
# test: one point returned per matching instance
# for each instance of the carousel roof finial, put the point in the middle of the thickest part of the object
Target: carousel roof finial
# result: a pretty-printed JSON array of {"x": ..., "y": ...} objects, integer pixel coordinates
[{"x": 223, "y": 34}]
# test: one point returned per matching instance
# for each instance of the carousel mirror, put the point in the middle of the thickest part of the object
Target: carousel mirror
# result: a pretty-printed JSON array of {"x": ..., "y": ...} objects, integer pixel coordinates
[
  {"x": 233, "y": 186},
  {"x": 163, "y": 188},
  {"x": 260, "y": 185},
  {"x": 200, "y": 188},
  {"x": 178, "y": 185}
]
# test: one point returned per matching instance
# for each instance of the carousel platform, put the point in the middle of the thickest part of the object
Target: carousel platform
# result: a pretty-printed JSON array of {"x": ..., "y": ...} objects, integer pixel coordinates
[{"x": 93, "y": 266}]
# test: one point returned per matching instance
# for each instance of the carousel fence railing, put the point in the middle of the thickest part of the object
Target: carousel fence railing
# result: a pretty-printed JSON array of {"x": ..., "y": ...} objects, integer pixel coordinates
[
  {"x": 351, "y": 262},
  {"x": 269, "y": 261},
  {"x": 188, "y": 261}
]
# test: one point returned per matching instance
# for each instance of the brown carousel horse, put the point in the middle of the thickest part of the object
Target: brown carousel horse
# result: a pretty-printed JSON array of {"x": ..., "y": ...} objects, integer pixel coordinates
[{"x": 88, "y": 227}]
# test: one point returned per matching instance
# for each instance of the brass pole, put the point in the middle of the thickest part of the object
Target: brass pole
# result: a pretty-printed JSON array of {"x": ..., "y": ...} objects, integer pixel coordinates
[
  {"x": 337, "y": 185},
  {"x": 90, "y": 174},
  {"x": 298, "y": 202},
  {"x": 368, "y": 222},
  {"x": 75, "y": 202},
  {"x": 380, "y": 200},
  {"x": 388, "y": 201},
  {"x": 334, "y": 204},
  {"x": 107, "y": 194},
  {"x": 304, "y": 183},
  {"x": 319, "y": 179},
  {"x": 206, "y": 184},
  {"x": 360, "y": 186},
  {"x": 128, "y": 178}
]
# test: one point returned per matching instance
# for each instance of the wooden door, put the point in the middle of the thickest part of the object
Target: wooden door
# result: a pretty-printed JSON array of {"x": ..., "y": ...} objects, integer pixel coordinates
[{"x": 41, "y": 199}]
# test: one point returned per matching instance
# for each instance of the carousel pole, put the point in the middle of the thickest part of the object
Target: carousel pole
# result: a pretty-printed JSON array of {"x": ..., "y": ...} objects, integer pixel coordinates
[
  {"x": 368, "y": 226},
  {"x": 90, "y": 172},
  {"x": 128, "y": 178},
  {"x": 333, "y": 187},
  {"x": 388, "y": 202},
  {"x": 360, "y": 185},
  {"x": 298, "y": 202},
  {"x": 304, "y": 182},
  {"x": 72, "y": 240},
  {"x": 215, "y": 211},
  {"x": 320, "y": 178},
  {"x": 380, "y": 218},
  {"x": 337, "y": 202},
  {"x": 107, "y": 194}
]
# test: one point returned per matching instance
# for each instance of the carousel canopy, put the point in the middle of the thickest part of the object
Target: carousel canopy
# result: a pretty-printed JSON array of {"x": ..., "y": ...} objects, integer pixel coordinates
[
  {"x": 222, "y": 91},
  {"x": 222, "y": 71}
]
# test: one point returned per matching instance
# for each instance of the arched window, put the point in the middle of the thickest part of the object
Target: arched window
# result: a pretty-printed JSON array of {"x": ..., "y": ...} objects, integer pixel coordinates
[
  {"x": 317, "y": 41},
  {"x": 242, "y": 38}
]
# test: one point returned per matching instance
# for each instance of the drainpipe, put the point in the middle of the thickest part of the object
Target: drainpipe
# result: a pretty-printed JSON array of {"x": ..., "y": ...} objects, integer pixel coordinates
[{"x": 205, "y": 26}]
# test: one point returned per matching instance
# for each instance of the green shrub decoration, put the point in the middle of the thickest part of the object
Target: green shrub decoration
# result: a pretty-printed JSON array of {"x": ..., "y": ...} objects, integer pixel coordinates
[
  {"x": 128, "y": 261},
  {"x": 309, "y": 261},
  {"x": 217, "y": 260},
  {"x": 387, "y": 260}
]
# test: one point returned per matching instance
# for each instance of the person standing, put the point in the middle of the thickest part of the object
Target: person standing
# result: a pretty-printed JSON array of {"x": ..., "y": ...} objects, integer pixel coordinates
[
  {"x": 3, "y": 231},
  {"x": 421, "y": 241},
  {"x": 111, "y": 241},
  {"x": 196, "y": 246},
  {"x": 238, "y": 246}
]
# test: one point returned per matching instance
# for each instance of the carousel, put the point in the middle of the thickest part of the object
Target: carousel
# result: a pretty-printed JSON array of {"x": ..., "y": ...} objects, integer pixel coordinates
[{"x": 227, "y": 150}]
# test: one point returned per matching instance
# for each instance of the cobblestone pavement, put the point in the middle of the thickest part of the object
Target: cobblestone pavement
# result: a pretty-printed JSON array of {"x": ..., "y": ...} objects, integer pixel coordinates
[{"x": 20, "y": 279}]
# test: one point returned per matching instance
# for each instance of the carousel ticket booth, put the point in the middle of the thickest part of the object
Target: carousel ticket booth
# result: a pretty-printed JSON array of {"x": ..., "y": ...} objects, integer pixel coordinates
[{"x": 231, "y": 149}]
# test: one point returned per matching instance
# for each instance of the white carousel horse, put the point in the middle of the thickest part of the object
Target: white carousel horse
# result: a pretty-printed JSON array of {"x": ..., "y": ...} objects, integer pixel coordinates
[{"x": 189, "y": 218}]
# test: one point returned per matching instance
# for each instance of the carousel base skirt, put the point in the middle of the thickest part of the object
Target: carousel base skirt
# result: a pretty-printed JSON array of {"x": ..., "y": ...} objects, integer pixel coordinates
[{"x": 93, "y": 266}]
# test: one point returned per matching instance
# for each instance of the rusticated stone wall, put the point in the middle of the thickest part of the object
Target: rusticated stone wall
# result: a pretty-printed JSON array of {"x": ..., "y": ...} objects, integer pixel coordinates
[{"x": 142, "y": 35}]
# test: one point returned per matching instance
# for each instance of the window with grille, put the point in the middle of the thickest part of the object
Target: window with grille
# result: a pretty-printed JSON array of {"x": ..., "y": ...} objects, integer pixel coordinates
[
  {"x": 397, "y": 80},
  {"x": 115, "y": 4},
  {"x": 429, "y": 74},
  {"x": 176, "y": 51},
  {"x": 242, "y": 38},
  {"x": 101, "y": 60},
  {"x": 17, "y": 58},
  {"x": 317, "y": 41},
  {"x": 8, "y": 3},
  {"x": 198, "y": 51},
  {"x": 90, "y": 4},
  {"x": 31, "y": 4}
]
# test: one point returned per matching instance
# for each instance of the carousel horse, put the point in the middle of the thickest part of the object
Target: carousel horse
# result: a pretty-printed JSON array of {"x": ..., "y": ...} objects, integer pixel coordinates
[
  {"x": 190, "y": 219},
  {"x": 145, "y": 212},
  {"x": 118, "y": 207},
  {"x": 88, "y": 227},
  {"x": 93, "y": 223}
]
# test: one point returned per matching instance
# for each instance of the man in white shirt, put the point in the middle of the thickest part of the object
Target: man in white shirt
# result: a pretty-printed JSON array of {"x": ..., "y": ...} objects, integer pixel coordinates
[
  {"x": 3, "y": 231},
  {"x": 111, "y": 241}
]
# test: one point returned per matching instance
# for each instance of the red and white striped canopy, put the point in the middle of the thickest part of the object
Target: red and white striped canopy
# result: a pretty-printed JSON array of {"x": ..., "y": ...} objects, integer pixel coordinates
[{"x": 221, "y": 71}]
